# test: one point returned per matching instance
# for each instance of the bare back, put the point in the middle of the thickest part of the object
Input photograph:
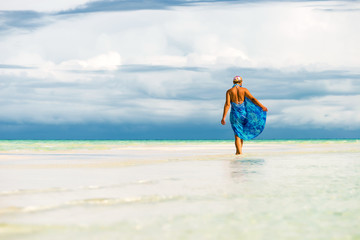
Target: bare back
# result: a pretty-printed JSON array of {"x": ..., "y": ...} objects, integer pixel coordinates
[{"x": 237, "y": 94}]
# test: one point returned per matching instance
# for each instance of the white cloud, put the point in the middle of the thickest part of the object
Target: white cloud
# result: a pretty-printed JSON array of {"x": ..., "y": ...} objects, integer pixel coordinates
[
  {"x": 324, "y": 112},
  {"x": 107, "y": 61},
  {"x": 253, "y": 35},
  {"x": 286, "y": 36},
  {"x": 50, "y": 71},
  {"x": 40, "y": 5}
]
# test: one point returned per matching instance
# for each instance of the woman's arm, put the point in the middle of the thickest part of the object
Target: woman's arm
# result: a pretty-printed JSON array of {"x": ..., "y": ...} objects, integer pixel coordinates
[
  {"x": 254, "y": 100},
  {"x": 226, "y": 107}
]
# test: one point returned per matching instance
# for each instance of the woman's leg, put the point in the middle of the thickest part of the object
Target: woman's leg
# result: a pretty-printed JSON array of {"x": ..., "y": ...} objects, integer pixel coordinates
[{"x": 238, "y": 145}]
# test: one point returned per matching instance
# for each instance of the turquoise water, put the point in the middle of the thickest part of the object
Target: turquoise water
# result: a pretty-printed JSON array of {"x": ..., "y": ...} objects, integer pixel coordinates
[
  {"x": 46, "y": 145},
  {"x": 294, "y": 189}
]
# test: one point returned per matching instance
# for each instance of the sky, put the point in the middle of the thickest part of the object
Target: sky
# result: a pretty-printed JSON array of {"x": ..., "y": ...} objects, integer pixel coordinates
[{"x": 159, "y": 69}]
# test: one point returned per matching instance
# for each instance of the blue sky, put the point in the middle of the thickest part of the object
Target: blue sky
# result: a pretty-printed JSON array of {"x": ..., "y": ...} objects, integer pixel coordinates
[{"x": 159, "y": 69}]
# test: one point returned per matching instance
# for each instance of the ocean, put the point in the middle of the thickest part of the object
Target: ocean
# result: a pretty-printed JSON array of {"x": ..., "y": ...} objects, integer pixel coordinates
[{"x": 279, "y": 189}]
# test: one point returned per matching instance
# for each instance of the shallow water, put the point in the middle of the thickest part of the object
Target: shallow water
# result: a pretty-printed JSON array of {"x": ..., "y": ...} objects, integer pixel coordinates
[{"x": 179, "y": 190}]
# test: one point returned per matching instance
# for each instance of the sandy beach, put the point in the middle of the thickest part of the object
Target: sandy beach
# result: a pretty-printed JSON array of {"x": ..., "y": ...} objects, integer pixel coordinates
[{"x": 179, "y": 190}]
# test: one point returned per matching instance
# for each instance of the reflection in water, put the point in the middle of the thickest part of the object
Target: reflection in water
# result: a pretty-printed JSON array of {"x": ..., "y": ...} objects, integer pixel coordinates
[{"x": 242, "y": 167}]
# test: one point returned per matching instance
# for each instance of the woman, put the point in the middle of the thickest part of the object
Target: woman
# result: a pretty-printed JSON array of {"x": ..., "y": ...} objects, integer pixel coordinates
[{"x": 247, "y": 116}]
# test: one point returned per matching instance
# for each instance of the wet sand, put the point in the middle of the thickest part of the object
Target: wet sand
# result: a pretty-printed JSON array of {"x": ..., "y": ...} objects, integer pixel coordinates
[{"x": 179, "y": 190}]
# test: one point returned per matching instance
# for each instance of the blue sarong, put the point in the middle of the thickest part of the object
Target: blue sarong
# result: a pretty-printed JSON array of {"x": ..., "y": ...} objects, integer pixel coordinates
[{"x": 247, "y": 119}]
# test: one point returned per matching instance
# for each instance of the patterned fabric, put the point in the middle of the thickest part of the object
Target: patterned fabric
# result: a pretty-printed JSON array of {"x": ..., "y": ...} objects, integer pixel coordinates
[{"x": 247, "y": 119}]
